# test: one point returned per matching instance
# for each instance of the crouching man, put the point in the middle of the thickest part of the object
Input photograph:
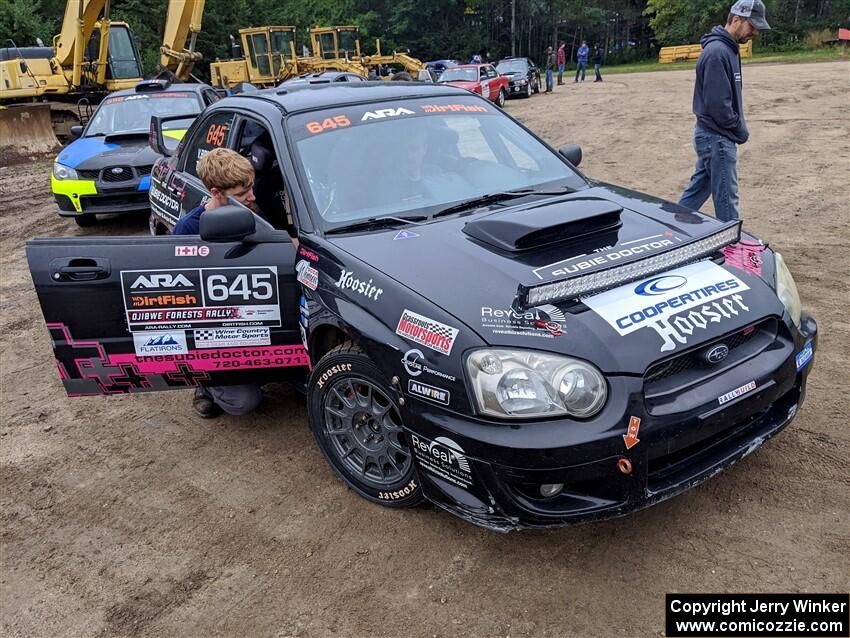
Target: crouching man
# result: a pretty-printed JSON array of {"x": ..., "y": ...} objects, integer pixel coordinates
[{"x": 225, "y": 174}]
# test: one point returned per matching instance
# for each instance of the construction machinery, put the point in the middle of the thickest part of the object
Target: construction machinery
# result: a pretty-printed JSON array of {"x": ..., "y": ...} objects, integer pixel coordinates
[
  {"x": 182, "y": 23},
  {"x": 266, "y": 56},
  {"x": 91, "y": 57}
]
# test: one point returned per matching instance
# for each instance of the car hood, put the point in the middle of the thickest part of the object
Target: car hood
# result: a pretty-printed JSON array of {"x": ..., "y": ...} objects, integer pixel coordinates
[
  {"x": 466, "y": 266},
  {"x": 94, "y": 153},
  {"x": 469, "y": 86}
]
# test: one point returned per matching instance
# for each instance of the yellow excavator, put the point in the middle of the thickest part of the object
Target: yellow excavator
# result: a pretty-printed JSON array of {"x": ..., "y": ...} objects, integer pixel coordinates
[
  {"x": 46, "y": 90},
  {"x": 266, "y": 56}
]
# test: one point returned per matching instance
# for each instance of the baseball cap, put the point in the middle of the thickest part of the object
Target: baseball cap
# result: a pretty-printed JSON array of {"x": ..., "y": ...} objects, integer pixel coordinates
[{"x": 754, "y": 11}]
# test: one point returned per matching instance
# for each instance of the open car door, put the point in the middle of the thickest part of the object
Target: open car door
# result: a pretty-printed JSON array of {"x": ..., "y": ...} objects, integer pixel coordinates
[{"x": 138, "y": 314}]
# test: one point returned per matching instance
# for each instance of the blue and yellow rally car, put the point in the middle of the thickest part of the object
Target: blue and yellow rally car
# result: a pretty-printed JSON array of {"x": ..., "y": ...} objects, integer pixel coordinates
[{"x": 106, "y": 169}]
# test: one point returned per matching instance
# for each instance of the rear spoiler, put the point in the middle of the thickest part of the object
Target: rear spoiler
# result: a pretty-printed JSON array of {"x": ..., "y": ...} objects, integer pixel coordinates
[{"x": 155, "y": 136}]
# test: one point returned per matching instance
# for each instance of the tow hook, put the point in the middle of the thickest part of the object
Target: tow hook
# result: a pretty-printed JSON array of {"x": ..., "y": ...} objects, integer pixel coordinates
[{"x": 625, "y": 466}]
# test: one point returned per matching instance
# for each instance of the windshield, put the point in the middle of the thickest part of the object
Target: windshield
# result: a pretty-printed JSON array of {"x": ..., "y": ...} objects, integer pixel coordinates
[
  {"x": 132, "y": 113},
  {"x": 416, "y": 157},
  {"x": 347, "y": 43},
  {"x": 512, "y": 66},
  {"x": 460, "y": 74}
]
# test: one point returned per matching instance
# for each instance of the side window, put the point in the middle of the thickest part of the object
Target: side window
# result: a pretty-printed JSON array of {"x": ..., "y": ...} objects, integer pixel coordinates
[
  {"x": 255, "y": 142},
  {"x": 482, "y": 73},
  {"x": 212, "y": 133},
  {"x": 491, "y": 72}
]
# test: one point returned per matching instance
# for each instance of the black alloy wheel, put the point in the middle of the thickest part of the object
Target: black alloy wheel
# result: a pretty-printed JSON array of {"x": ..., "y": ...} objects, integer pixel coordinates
[
  {"x": 358, "y": 427},
  {"x": 529, "y": 90}
]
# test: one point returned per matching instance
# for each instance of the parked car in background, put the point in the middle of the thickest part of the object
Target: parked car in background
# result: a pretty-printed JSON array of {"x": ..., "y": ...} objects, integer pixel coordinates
[
  {"x": 106, "y": 169},
  {"x": 438, "y": 66},
  {"x": 324, "y": 77},
  {"x": 523, "y": 76},
  {"x": 483, "y": 79}
]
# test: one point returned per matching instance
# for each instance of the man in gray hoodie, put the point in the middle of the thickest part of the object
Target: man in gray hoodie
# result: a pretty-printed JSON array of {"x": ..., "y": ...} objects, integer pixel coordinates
[{"x": 718, "y": 106}]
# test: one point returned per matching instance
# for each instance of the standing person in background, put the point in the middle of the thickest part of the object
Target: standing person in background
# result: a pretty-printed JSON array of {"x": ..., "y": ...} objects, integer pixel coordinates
[
  {"x": 582, "y": 55},
  {"x": 597, "y": 62},
  {"x": 562, "y": 62},
  {"x": 719, "y": 107},
  {"x": 551, "y": 62}
]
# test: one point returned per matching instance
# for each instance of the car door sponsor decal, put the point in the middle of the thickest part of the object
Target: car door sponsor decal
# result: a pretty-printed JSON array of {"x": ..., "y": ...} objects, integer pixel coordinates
[
  {"x": 188, "y": 298},
  {"x": 427, "y": 332},
  {"x": 675, "y": 304},
  {"x": 150, "y": 343},
  {"x": 227, "y": 337},
  {"x": 428, "y": 392},
  {"x": 191, "y": 251},
  {"x": 307, "y": 275},
  {"x": 443, "y": 457}
]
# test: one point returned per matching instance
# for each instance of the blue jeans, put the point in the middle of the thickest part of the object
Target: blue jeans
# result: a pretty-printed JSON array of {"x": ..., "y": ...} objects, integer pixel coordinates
[
  {"x": 560, "y": 74},
  {"x": 549, "y": 79},
  {"x": 716, "y": 174},
  {"x": 581, "y": 69},
  {"x": 596, "y": 67}
]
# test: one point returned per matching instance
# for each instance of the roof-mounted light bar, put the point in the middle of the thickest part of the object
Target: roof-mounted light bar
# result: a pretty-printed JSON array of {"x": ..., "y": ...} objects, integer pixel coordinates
[{"x": 612, "y": 277}]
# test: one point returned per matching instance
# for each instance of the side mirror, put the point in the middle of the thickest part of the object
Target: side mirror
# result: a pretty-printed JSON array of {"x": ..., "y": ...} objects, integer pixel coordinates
[
  {"x": 75, "y": 131},
  {"x": 572, "y": 152},
  {"x": 227, "y": 223}
]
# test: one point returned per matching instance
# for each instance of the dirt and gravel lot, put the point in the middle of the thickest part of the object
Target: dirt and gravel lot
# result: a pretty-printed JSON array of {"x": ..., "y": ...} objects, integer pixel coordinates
[{"x": 130, "y": 516}]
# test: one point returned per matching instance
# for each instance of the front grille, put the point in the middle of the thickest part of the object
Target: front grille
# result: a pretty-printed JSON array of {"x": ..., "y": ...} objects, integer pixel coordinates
[
  {"x": 114, "y": 203},
  {"x": 690, "y": 360},
  {"x": 88, "y": 173},
  {"x": 144, "y": 170},
  {"x": 117, "y": 174}
]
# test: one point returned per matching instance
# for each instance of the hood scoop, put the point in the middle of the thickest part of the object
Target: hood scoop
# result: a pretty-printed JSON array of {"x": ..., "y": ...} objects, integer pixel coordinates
[{"x": 545, "y": 224}]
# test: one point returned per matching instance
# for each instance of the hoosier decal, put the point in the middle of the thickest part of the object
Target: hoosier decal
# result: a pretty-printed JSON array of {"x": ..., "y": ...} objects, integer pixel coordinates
[{"x": 427, "y": 332}]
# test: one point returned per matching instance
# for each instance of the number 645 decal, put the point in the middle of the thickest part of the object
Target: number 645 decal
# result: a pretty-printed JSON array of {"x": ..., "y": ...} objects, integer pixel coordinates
[{"x": 258, "y": 287}]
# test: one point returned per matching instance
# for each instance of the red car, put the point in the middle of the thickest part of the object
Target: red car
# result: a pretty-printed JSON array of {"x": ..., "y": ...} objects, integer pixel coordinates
[{"x": 483, "y": 79}]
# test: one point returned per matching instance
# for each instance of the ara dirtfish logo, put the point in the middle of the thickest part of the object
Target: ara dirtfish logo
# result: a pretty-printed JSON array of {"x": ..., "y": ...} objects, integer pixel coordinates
[
  {"x": 382, "y": 113},
  {"x": 162, "y": 280},
  {"x": 153, "y": 343}
]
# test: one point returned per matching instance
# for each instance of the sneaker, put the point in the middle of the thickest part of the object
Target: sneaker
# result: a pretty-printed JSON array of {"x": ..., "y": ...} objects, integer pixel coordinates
[{"x": 204, "y": 406}]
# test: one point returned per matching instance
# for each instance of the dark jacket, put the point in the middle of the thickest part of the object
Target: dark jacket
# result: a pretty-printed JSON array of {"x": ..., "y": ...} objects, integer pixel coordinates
[
  {"x": 718, "y": 103},
  {"x": 597, "y": 57},
  {"x": 551, "y": 60},
  {"x": 190, "y": 223}
]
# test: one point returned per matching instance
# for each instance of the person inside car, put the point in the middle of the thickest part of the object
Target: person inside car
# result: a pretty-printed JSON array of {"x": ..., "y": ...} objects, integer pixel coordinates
[{"x": 225, "y": 173}]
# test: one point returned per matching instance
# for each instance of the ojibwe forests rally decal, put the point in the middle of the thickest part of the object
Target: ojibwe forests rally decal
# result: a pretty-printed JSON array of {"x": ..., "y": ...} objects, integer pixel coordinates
[
  {"x": 87, "y": 368},
  {"x": 186, "y": 298}
]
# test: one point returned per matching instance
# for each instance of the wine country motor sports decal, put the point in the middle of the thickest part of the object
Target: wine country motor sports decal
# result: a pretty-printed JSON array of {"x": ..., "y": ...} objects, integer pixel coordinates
[
  {"x": 186, "y": 298},
  {"x": 545, "y": 321},
  {"x": 427, "y": 332},
  {"x": 675, "y": 304},
  {"x": 443, "y": 457},
  {"x": 228, "y": 337},
  {"x": 428, "y": 392}
]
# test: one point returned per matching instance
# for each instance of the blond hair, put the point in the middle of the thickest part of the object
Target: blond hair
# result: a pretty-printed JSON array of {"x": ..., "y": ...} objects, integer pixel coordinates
[{"x": 224, "y": 168}]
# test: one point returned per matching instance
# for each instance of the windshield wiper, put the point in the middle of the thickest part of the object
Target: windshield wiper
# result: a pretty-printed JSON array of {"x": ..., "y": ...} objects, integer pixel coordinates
[
  {"x": 375, "y": 223},
  {"x": 494, "y": 198}
]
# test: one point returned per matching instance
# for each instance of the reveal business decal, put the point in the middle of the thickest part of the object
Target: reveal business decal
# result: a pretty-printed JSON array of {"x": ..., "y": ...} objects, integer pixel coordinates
[{"x": 675, "y": 304}]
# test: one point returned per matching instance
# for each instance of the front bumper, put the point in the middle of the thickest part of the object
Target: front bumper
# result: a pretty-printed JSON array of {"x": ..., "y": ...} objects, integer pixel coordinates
[
  {"x": 77, "y": 197},
  {"x": 677, "y": 449}
]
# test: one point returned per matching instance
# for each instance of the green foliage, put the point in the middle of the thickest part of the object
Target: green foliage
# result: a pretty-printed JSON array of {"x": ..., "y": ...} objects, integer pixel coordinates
[{"x": 22, "y": 21}]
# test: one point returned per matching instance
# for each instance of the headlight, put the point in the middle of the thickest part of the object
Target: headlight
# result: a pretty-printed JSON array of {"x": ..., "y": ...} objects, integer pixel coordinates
[
  {"x": 786, "y": 290},
  {"x": 60, "y": 171},
  {"x": 523, "y": 82},
  {"x": 521, "y": 384}
]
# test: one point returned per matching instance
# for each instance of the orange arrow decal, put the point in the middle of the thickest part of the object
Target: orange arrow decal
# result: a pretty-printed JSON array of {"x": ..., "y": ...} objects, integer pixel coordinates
[{"x": 631, "y": 436}]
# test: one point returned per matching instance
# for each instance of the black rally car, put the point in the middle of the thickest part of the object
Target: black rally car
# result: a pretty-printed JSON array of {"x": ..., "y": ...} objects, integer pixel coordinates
[
  {"x": 523, "y": 76},
  {"x": 483, "y": 327}
]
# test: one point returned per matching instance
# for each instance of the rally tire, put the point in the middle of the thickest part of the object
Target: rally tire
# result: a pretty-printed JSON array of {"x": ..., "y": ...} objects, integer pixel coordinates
[
  {"x": 501, "y": 99},
  {"x": 85, "y": 220},
  {"x": 356, "y": 422},
  {"x": 537, "y": 85},
  {"x": 529, "y": 90}
]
